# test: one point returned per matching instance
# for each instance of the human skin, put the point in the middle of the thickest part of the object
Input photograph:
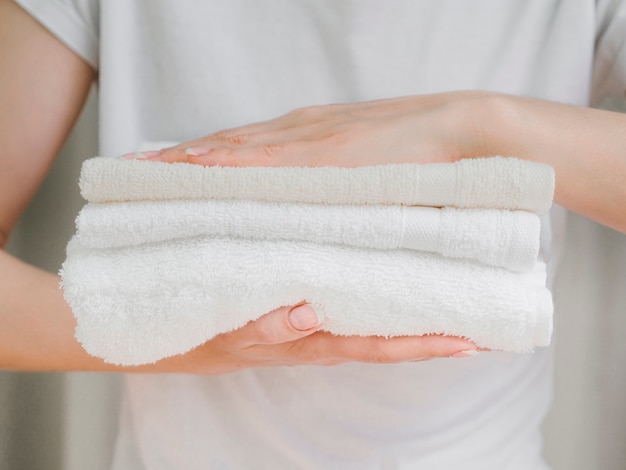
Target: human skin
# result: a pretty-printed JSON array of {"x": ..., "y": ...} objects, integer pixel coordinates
[
  {"x": 43, "y": 86},
  {"x": 586, "y": 147}
]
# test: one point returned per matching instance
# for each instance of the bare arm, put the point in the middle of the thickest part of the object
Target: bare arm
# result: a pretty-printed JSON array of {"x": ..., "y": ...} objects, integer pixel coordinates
[
  {"x": 586, "y": 147},
  {"x": 43, "y": 86}
]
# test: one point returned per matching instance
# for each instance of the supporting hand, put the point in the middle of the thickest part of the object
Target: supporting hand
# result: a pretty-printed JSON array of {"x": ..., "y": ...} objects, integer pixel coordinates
[{"x": 290, "y": 336}]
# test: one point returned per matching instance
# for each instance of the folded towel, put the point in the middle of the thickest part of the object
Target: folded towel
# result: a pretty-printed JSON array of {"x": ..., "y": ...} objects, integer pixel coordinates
[
  {"x": 496, "y": 237},
  {"x": 138, "y": 304},
  {"x": 161, "y": 278},
  {"x": 495, "y": 183}
]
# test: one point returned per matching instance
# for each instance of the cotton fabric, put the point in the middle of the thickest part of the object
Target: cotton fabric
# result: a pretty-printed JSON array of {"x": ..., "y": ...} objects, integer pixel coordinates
[
  {"x": 504, "y": 238},
  {"x": 136, "y": 304}
]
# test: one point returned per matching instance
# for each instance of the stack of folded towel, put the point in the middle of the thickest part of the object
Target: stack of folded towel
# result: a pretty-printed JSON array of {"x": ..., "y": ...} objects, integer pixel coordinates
[{"x": 166, "y": 256}]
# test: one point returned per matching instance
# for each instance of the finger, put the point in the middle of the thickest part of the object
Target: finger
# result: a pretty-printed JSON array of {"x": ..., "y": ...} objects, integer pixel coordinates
[
  {"x": 273, "y": 154},
  {"x": 324, "y": 348},
  {"x": 237, "y": 148},
  {"x": 282, "y": 325},
  {"x": 284, "y": 150},
  {"x": 311, "y": 146},
  {"x": 266, "y": 155},
  {"x": 163, "y": 155},
  {"x": 301, "y": 117},
  {"x": 252, "y": 134},
  {"x": 415, "y": 348}
]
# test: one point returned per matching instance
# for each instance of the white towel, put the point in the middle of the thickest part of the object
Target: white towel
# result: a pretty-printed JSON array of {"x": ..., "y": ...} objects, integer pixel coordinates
[
  {"x": 139, "y": 304},
  {"x": 494, "y": 183},
  {"x": 496, "y": 237}
]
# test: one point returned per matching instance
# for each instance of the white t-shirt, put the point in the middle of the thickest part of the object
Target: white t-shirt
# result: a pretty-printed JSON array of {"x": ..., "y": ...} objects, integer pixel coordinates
[{"x": 177, "y": 70}]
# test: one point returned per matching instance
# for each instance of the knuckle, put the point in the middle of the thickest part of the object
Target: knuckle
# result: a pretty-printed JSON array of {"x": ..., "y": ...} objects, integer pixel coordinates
[
  {"x": 269, "y": 150},
  {"x": 232, "y": 137},
  {"x": 222, "y": 135},
  {"x": 237, "y": 139}
]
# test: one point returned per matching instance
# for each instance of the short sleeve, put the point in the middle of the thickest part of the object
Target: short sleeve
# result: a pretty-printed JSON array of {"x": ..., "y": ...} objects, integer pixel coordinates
[
  {"x": 609, "y": 72},
  {"x": 74, "y": 22}
]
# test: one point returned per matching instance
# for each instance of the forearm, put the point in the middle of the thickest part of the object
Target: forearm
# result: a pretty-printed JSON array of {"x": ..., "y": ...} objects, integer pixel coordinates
[
  {"x": 37, "y": 325},
  {"x": 37, "y": 332},
  {"x": 42, "y": 88},
  {"x": 586, "y": 147}
]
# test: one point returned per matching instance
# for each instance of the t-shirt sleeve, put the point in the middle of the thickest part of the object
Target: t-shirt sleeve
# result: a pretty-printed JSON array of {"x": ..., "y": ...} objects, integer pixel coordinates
[
  {"x": 74, "y": 22},
  {"x": 609, "y": 72}
]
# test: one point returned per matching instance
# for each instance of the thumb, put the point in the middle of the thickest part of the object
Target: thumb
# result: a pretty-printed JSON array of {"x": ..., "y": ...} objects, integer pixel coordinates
[
  {"x": 281, "y": 326},
  {"x": 303, "y": 317}
]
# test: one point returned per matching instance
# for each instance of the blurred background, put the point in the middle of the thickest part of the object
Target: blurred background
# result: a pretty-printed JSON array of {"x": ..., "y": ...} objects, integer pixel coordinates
[{"x": 68, "y": 421}]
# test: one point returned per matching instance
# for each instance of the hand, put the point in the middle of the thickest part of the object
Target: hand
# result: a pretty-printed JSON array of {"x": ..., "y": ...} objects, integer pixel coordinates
[
  {"x": 423, "y": 128},
  {"x": 418, "y": 129},
  {"x": 574, "y": 140},
  {"x": 290, "y": 336}
]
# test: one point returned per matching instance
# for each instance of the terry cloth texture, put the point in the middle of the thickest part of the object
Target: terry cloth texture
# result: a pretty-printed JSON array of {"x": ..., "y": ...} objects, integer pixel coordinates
[
  {"x": 496, "y": 237},
  {"x": 165, "y": 261},
  {"x": 494, "y": 183}
]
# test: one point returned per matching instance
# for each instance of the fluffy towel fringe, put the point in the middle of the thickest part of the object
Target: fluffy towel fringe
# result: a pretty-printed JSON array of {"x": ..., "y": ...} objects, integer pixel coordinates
[{"x": 137, "y": 305}]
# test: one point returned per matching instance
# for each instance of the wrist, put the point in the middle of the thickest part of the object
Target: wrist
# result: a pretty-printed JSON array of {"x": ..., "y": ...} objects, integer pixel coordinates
[{"x": 489, "y": 125}]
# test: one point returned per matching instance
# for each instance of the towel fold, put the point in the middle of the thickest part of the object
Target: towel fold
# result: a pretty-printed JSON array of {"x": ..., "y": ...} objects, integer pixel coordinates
[
  {"x": 138, "y": 304},
  {"x": 169, "y": 255},
  {"x": 495, "y": 183},
  {"x": 496, "y": 237}
]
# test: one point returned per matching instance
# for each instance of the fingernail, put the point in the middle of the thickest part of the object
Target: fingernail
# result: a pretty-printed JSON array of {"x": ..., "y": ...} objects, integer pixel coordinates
[
  {"x": 304, "y": 317},
  {"x": 466, "y": 353},
  {"x": 142, "y": 155},
  {"x": 196, "y": 151}
]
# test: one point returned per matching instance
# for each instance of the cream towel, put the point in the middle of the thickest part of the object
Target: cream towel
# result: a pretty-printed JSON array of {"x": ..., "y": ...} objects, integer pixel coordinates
[
  {"x": 495, "y": 183},
  {"x": 139, "y": 304},
  {"x": 496, "y": 237}
]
